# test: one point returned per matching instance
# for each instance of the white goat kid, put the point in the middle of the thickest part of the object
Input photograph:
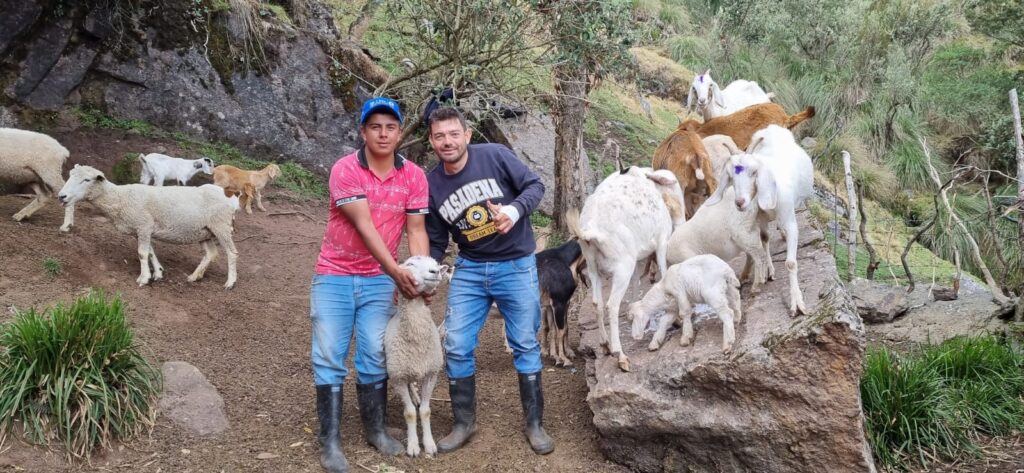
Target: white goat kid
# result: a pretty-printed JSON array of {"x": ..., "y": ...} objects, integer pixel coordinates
[
  {"x": 702, "y": 279},
  {"x": 156, "y": 168},
  {"x": 179, "y": 215},
  {"x": 714, "y": 102},
  {"x": 412, "y": 347},
  {"x": 629, "y": 217},
  {"x": 779, "y": 174}
]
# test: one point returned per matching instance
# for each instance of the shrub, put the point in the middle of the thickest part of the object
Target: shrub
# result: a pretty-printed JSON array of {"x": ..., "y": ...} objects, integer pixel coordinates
[{"x": 75, "y": 375}]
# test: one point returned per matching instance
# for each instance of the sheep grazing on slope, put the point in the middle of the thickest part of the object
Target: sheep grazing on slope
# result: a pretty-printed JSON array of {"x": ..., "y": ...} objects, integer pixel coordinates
[
  {"x": 701, "y": 279},
  {"x": 741, "y": 125},
  {"x": 157, "y": 168},
  {"x": 714, "y": 102},
  {"x": 35, "y": 159},
  {"x": 625, "y": 220},
  {"x": 412, "y": 347},
  {"x": 246, "y": 184},
  {"x": 173, "y": 214},
  {"x": 558, "y": 278},
  {"x": 684, "y": 154},
  {"x": 779, "y": 175}
]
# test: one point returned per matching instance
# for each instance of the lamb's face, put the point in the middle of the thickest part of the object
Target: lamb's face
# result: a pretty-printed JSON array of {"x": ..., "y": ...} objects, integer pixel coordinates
[
  {"x": 742, "y": 170},
  {"x": 640, "y": 320},
  {"x": 81, "y": 184},
  {"x": 273, "y": 171},
  {"x": 427, "y": 272},
  {"x": 204, "y": 164},
  {"x": 702, "y": 89}
]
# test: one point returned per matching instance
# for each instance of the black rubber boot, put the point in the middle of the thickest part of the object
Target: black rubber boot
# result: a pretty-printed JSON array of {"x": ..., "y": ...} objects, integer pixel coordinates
[
  {"x": 533, "y": 409},
  {"x": 373, "y": 409},
  {"x": 463, "y": 394},
  {"x": 328, "y": 409}
]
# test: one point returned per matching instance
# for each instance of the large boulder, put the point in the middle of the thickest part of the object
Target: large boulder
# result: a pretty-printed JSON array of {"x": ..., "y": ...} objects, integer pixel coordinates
[
  {"x": 787, "y": 399},
  {"x": 878, "y": 302},
  {"x": 190, "y": 400}
]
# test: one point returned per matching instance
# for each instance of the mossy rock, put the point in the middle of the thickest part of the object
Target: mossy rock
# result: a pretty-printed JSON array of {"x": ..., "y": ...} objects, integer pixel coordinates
[{"x": 126, "y": 170}]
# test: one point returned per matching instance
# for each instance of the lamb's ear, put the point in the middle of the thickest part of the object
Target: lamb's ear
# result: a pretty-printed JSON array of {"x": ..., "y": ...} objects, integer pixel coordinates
[
  {"x": 100, "y": 178},
  {"x": 197, "y": 164},
  {"x": 719, "y": 98},
  {"x": 767, "y": 192},
  {"x": 724, "y": 180},
  {"x": 664, "y": 179},
  {"x": 753, "y": 146},
  {"x": 446, "y": 272}
]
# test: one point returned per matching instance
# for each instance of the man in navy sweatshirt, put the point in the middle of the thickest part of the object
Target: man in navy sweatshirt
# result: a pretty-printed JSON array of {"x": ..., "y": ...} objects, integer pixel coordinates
[{"x": 482, "y": 196}]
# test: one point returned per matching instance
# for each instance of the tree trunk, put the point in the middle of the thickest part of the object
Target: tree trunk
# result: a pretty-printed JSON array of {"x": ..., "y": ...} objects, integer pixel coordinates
[
  {"x": 569, "y": 112},
  {"x": 851, "y": 211},
  {"x": 363, "y": 20},
  {"x": 1018, "y": 135},
  {"x": 872, "y": 254}
]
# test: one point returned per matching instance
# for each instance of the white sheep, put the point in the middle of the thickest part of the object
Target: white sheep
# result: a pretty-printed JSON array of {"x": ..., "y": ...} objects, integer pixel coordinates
[
  {"x": 714, "y": 102},
  {"x": 720, "y": 148},
  {"x": 726, "y": 232},
  {"x": 702, "y": 279},
  {"x": 779, "y": 174},
  {"x": 413, "y": 354},
  {"x": 157, "y": 168},
  {"x": 629, "y": 217},
  {"x": 172, "y": 214},
  {"x": 35, "y": 159}
]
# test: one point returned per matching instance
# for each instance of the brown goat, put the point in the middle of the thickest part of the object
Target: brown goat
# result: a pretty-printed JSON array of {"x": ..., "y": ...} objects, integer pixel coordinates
[
  {"x": 246, "y": 184},
  {"x": 684, "y": 154},
  {"x": 740, "y": 126}
]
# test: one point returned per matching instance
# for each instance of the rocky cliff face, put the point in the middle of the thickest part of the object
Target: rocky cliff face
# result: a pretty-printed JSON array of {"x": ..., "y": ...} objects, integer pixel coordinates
[
  {"x": 180, "y": 68},
  {"x": 787, "y": 399}
]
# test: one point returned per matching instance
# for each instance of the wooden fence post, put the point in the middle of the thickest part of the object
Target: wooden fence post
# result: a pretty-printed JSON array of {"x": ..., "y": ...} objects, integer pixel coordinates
[{"x": 851, "y": 212}]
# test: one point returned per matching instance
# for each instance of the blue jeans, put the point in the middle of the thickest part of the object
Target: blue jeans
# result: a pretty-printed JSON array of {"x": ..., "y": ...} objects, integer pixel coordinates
[
  {"x": 512, "y": 285},
  {"x": 339, "y": 305}
]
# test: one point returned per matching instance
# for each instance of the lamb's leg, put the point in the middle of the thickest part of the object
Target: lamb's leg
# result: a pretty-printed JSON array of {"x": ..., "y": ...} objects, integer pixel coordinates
[
  {"x": 504, "y": 337},
  {"x": 686, "y": 313},
  {"x": 412, "y": 445},
  {"x": 735, "y": 303},
  {"x": 756, "y": 258},
  {"x": 796, "y": 304},
  {"x": 158, "y": 269},
  {"x": 659, "y": 335},
  {"x": 429, "y": 447},
  {"x": 209, "y": 256},
  {"x": 720, "y": 303},
  {"x": 620, "y": 282},
  {"x": 558, "y": 311},
  {"x": 259, "y": 201},
  {"x": 595, "y": 279},
  {"x": 144, "y": 249},
  {"x": 766, "y": 238},
  {"x": 41, "y": 198},
  {"x": 545, "y": 326},
  {"x": 223, "y": 234},
  {"x": 69, "y": 218}
]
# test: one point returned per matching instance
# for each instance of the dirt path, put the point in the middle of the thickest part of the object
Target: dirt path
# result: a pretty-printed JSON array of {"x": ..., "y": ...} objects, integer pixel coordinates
[{"x": 253, "y": 344}]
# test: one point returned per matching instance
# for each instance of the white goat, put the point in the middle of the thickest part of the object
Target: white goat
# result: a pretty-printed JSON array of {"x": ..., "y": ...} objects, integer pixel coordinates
[
  {"x": 629, "y": 217},
  {"x": 172, "y": 214},
  {"x": 27, "y": 157},
  {"x": 156, "y": 168},
  {"x": 412, "y": 347},
  {"x": 701, "y": 279},
  {"x": 779, "y": 174},
  {"x": 714, "y": 102},
  {"x": 720, "y": 148}
]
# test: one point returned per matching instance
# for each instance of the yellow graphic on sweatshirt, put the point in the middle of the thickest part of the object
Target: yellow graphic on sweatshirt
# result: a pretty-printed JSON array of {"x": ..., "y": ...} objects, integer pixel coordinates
[{"x": 478, "y": 217}]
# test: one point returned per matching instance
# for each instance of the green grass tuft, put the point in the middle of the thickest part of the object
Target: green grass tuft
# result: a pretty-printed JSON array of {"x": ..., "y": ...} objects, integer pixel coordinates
[
  {"x": 52, "y": 266},
  {"x": 75, "y": 374},
  {"x": 538, "y": 219}
]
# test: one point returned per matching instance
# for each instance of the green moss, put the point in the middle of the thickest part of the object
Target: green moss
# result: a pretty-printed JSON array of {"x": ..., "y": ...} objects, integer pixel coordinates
[
  {"x": 95, "y": 118},
  {"x": 221, "y": 55},
  {"x": 126, "y": 170}
]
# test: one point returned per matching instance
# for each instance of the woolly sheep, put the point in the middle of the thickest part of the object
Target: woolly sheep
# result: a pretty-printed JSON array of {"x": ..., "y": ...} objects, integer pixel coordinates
[
  {"x": 624, "y": 221},
  {"x": 741, "y": 125},
  {"x": 701, "y": 279},
  {"x": 412, "y": 347},
  {"x": 715, "y": 102},
  {"x": 157, "y": 168},
  {"x": 173, "y": 214},
  {"x": 247, "y": 184},
  {"x": 779, "y": 174},
  {"x": 35, "y": 159}
]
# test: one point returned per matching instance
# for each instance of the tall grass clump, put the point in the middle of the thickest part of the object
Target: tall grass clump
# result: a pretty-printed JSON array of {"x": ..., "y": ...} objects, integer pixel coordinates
[
  {"x": 74, "y": 375},
  {"x": 932, "y": 403}
]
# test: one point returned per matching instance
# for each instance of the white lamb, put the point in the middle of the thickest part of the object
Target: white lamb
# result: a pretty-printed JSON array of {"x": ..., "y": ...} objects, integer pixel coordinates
[
  {"x": 35, "y": 159},
  {"x": 629, "y": 217},
  {"x": 157, "y": 168},
  {"x": 779, "y": 174},
  {"x": 412, "y": 347},
  {"x": 714, "y": 102},
  {"x": 172, "y": 214},
  {"x": 701, "y": 279}
]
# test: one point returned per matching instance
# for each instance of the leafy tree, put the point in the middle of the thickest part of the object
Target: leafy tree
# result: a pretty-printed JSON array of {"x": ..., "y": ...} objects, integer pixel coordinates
[{"x": 998, "y": 19}]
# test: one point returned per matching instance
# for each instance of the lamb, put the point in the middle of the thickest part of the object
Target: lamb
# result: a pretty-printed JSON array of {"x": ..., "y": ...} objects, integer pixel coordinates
[
  {"x": 412, "y": 347},
  {"x": 557, "y": 277},
  {"x": 685, "y": 155},
  {"x": 714, "y": 102},
  {"x": 701, "y": 279},
  {"x": 27, "y": 157},
  {"x": 157, "y": 168},
  {"x": 741, "y": 125},
  {"x": 247, "y": 184},
  {"x": 624, "y": 221},
  {"x": 778, "y": 173},
  {"x": 173, "y": 214}
]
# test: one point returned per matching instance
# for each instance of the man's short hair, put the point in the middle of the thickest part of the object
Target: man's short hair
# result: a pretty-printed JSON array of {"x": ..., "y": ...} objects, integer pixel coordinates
[{"x": 445, "y": 113}]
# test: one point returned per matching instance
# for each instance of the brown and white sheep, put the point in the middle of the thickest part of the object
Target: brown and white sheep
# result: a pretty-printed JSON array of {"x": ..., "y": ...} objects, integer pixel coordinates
[{"x": 245, "y": 184}]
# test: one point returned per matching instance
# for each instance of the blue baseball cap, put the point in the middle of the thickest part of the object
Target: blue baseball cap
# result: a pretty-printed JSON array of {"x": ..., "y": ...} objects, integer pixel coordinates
[{"x": 377, "y": 105}]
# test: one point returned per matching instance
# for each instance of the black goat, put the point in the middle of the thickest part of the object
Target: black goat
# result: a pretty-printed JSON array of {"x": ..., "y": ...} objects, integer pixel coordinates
[{"x": 558, "y": 275}]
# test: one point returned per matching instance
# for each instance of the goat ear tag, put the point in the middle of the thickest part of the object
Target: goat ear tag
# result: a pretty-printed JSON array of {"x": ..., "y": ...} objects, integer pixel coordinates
[{"x": 738, "y": 169}]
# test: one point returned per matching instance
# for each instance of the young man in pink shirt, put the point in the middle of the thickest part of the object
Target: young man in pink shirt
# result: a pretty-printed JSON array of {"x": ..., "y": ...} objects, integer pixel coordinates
[{"x": 375, "y": 192}]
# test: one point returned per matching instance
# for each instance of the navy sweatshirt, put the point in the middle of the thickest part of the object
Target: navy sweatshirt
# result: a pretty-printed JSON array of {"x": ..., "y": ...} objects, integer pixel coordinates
[{"x": 458, "y": 205}]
